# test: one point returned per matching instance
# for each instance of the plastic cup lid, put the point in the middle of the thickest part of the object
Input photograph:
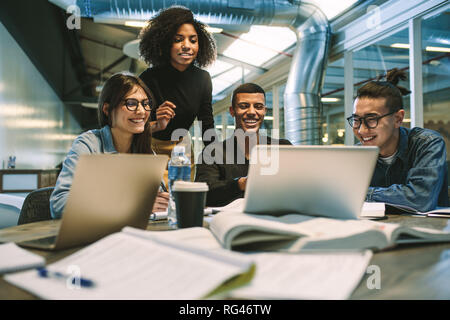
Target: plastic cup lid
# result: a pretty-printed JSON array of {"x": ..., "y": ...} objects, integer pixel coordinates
[{"x": 186, "y": 186}]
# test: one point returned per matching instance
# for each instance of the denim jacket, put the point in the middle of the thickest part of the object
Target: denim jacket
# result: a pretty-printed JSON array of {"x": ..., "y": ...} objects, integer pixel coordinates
[
  {"x": 89, "y": 142},
  {"x": 418, "y": 175}
]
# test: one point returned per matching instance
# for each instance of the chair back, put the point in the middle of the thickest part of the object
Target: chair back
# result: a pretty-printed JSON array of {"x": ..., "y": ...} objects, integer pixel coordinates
[{"x": 36, "y": 206}]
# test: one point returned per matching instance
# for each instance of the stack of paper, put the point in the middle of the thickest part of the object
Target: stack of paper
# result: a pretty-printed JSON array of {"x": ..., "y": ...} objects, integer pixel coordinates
[{"x": 14, "y": 258}]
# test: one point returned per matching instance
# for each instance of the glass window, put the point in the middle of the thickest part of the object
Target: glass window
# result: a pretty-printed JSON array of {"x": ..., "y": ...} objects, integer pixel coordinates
[
  {"x": 281, "y": 113},
  {"x": 436, "y": 75},
  {"x": 218, "y": 124},
  {"x": 230, "y": 124},
  {"x": 333, "y": 118},
  {"x": 268, "y": 118},
  {"x": 376, "y": 60}
]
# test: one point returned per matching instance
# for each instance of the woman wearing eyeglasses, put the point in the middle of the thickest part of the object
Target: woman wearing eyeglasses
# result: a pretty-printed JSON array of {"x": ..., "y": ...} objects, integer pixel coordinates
[
  {"x": 177, "y": 46},
  {"x": 124, "y": 110}
]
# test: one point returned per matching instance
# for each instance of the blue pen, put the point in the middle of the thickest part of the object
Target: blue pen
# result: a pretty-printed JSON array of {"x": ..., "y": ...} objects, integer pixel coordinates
[{"x": 45, "y": 273}]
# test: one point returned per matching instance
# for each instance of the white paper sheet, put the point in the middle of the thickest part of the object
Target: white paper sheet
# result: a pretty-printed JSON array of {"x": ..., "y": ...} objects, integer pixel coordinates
[{"x": 324, "y": 276}]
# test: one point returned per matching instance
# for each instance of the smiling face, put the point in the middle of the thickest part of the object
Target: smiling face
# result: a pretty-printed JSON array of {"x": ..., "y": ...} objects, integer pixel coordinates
[
  {"x": 249, "y": 111},
  {"x": 386, "y": 134},
  {"x": 184, "y": 48},
  {"x": 129, "y": 122}
]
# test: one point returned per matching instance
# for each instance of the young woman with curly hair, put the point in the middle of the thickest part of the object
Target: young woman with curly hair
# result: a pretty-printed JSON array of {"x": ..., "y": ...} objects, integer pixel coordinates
[{"x": 176, "y": 46}]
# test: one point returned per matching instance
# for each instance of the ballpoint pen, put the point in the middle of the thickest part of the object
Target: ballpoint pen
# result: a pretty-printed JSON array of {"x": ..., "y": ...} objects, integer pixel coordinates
[
  {"x": 45, "y": 273},
  {"x": 163, "y": 187}
]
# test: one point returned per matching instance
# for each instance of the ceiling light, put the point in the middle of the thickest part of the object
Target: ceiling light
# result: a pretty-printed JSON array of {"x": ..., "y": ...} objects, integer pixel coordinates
[
  {"x": 400, "y": 45},
  {"x": 32, "y": 124},
  {"x": 332, "y": 8},
  {"x": 427, "y": 48},
  {"x": 260, "y": 44},
  {"x": 437, "y": 49},
  {"x": 58, "y": 136},
  {"x": 330, "y": 100},
  {"x": 268, "y": 118},
  {"x": 214, "y": 30},
  {"x": 136, "y": 24}
]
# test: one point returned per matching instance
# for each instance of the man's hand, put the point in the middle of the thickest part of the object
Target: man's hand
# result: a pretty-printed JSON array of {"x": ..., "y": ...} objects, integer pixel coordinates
[
  {"x": 161, "y": 202},
  {"x": 242, "y": 183},
  {"x": 164, "y": 114}
]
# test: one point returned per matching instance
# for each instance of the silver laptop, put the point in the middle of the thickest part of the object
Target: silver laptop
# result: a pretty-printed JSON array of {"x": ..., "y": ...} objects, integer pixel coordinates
[
  {"x": 109, "y": 192},
  {"x": 314, "y": 180}
]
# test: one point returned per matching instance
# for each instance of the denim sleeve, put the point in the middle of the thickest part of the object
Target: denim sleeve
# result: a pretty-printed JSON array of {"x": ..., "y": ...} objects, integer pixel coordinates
[
  {"x": 59, "y": 196},
  {"x": 423, "y": 182}
]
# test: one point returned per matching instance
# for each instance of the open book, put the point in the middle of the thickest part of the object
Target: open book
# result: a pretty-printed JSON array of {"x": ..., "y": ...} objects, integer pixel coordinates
[
  {"x": 294, "y": 233},
  {"x": 126, "y": 265}
]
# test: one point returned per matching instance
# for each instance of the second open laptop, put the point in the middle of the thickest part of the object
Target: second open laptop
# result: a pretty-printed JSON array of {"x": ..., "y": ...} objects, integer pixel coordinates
[
  {"x": 324, "y": 181},
  {"x": 109, "y": 192}
]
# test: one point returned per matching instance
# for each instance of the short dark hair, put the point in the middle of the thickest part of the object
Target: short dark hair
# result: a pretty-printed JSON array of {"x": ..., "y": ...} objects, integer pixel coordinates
[
  {"x": 246, "y": 88},
  {"x": 157, "y": 37},
  {"x": 113, "y": 92},
  {"x": 388, "y": 89}
]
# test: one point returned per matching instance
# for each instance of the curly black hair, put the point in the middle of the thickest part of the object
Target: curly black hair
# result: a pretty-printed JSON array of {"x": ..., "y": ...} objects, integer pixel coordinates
[{"x": 157, "y": 37}]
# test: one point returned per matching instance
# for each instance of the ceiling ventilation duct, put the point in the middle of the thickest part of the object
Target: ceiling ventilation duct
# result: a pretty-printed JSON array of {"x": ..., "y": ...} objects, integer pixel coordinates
[{"x": 302, "y": 94}]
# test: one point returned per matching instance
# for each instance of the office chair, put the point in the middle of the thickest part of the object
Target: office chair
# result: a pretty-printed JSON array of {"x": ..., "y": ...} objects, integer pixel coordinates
[{"x": 36, "y": 206}]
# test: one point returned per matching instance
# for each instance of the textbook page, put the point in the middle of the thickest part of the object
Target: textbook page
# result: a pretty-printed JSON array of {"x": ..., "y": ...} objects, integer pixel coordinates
[
  {"x": 234, "y": 206},
  {"x": 331, "y": 275},
  {"x": 372, "y": 210},
  {"x": 123, "y": 266},
  {"x": 197, "y": 236},
  {"x": 233, "y": 227}
]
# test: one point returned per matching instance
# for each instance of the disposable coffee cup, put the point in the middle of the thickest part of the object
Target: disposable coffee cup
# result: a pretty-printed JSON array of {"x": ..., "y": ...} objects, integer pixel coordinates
[{"x": 190, "y": 199}]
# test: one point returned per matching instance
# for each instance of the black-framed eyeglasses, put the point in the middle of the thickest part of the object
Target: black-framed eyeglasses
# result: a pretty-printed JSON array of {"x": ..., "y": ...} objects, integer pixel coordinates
[
  {"x": 132, "y": 104},
  {"x": 370, "y": 121}
]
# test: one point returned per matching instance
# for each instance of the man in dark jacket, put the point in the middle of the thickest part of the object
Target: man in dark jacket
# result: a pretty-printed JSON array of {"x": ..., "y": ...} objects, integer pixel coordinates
[{"x": 224, "y": 165}]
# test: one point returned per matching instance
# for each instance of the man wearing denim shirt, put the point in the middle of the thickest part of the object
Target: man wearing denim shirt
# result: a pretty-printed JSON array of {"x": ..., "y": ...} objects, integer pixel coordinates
[{"x": 411, "y": 169}]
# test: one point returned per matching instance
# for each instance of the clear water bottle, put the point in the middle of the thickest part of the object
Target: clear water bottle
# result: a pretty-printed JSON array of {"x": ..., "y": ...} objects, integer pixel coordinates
[{"x": 179, "y": 169}]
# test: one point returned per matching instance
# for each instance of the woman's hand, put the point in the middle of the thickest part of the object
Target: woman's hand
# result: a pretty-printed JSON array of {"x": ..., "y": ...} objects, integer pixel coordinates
[
  {"x": 164, "y": 114},
  {"x": 161, "y": 202}
]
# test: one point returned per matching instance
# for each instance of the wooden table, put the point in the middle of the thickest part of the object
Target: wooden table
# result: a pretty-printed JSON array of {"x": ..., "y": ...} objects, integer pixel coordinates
[{"x": 407, "y": 271}]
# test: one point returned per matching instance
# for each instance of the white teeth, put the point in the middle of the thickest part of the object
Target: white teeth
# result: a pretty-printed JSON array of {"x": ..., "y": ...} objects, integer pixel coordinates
[
  {"x": 137, "y": 120},
  {"x": 368, "y": 138},
  {"x": 250, "y": 121}
]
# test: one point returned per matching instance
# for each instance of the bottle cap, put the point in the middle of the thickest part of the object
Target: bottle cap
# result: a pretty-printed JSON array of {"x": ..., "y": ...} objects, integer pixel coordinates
[{"x": 187, "y": 186}]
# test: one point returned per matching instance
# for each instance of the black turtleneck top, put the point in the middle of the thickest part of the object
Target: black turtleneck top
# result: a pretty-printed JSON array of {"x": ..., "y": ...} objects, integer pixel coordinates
[{"x": 190, "y": 91}]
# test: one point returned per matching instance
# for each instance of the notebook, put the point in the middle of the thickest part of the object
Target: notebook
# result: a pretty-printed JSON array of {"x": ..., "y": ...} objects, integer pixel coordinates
[
  {"x": 325, "y": 181},
  {"x": 109, "y": 192}
]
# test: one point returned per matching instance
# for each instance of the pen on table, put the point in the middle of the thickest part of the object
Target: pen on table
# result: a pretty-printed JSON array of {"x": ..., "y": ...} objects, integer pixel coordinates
[{"x": 45, "y": 273}]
